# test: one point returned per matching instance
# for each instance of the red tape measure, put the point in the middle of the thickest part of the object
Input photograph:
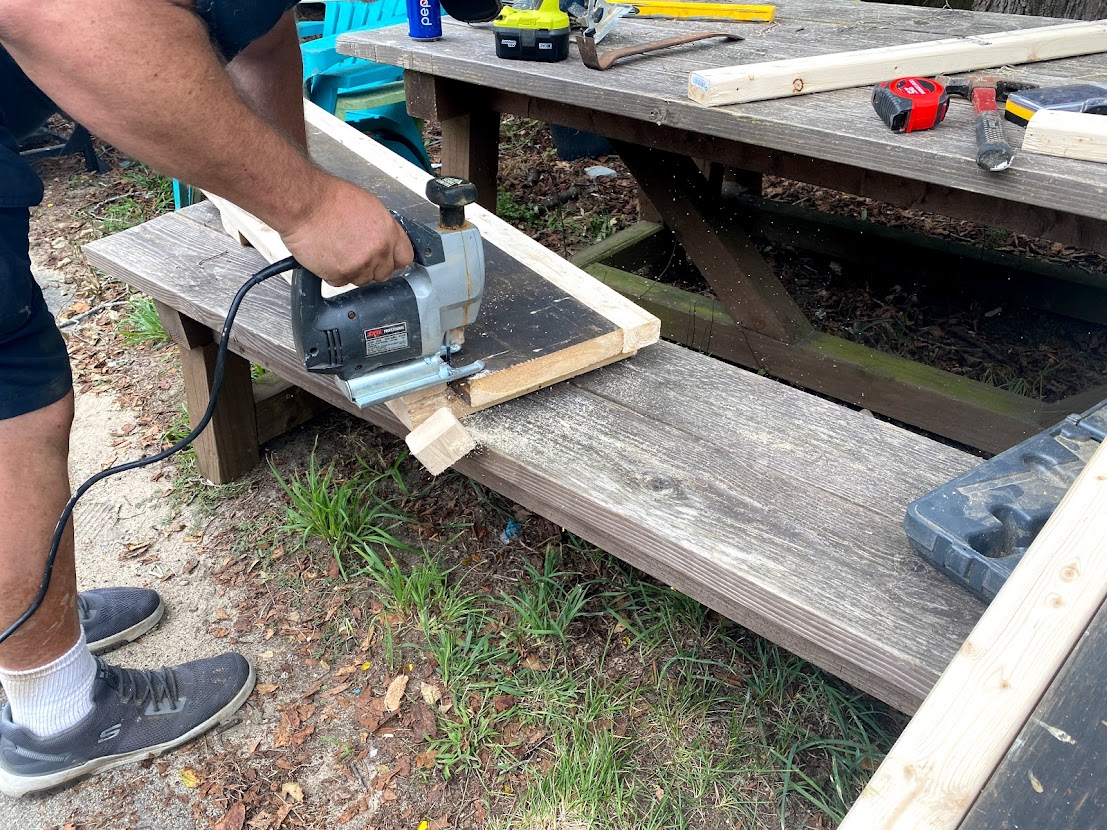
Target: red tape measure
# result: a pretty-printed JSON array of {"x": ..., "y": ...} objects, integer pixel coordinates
[{"x": 909, "y": 104}]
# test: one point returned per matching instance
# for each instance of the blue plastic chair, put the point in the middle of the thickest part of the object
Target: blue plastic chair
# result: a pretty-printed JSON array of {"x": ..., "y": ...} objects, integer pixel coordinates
[{"x": 329, "y": 76}]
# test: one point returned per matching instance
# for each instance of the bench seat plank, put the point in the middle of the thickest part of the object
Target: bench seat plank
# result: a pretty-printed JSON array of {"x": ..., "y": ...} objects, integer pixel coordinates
[{"x": 776, "y": 508}]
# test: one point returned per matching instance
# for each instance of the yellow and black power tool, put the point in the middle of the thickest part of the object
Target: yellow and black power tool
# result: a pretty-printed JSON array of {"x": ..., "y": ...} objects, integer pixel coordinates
[{"x": 540, "y": 34}]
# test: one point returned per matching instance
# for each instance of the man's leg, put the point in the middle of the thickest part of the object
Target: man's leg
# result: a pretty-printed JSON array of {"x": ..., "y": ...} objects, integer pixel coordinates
[
  {"x": 45, "y": 667},
  {"x": 34, "y": 487},
  {"x": 68, "y": 715}
]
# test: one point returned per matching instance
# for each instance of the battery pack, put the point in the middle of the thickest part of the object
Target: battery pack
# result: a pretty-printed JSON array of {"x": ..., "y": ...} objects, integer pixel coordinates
[{"x": 525, "y": 44}]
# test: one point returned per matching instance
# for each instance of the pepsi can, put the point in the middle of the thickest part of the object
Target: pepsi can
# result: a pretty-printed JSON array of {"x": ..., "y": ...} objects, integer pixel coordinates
[{"x": 424, "y": 19}]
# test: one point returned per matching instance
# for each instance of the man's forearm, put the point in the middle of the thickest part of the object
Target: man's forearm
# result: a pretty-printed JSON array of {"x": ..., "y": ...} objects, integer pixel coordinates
[
  {"x": 155, "y": 88},
  {"x": 269, "y": 75}
]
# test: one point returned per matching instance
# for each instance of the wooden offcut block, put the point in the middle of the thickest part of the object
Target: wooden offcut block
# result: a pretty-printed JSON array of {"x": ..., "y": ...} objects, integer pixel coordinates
[{"x": 440, "y": 441}]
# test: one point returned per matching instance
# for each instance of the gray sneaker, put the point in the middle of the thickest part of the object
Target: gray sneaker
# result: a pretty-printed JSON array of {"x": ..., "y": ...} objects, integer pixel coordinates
[
  {"x": 136, "y": 715},
  {"x": 114, "y": 616}
]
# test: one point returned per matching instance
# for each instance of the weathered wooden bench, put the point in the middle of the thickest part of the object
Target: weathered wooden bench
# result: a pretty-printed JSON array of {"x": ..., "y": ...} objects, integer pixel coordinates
[{"x": 777, "y": 508}]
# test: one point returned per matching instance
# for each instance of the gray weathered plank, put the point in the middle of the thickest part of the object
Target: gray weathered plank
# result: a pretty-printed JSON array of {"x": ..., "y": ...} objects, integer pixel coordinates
[{"x": 778, "y": 509}]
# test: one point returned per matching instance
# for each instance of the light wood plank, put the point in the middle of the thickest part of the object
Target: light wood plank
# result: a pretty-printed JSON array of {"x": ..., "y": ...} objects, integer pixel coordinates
[
  {"x": 1052, "y": 777},
  {"x": 950, "y": 749},
  {"x": 1073, "y": 135},
  {"x": 242, "y": 225},
  {"x": 864, "y": 67}
]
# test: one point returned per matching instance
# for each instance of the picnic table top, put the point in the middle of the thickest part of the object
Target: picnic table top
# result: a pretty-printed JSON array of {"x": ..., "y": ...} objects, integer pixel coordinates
[{"x": 838, "y": 127}]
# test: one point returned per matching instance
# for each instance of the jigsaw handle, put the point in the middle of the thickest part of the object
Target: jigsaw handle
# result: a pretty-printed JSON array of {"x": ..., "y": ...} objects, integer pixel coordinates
[
  {"x": 451, "y": 194},
  {"x": 307, "y": 305}
]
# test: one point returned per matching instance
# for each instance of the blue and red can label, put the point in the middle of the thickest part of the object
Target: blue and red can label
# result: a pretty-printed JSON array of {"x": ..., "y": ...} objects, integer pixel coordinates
[{"x": 424, "y": 19}]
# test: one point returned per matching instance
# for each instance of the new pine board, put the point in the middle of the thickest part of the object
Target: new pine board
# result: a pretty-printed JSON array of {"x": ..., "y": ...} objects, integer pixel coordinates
[
  {"x": 776, "y": 508},
  {"x": 1052, "y": 777},
  {"x": 865, "y": 67}
]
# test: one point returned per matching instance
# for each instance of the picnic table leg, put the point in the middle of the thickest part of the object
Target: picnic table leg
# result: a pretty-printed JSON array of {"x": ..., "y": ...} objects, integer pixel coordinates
[
  {"x": 229, "y": 446},
  {"x": 752, "y": 294},
  {"x": 470, "y": 129}
]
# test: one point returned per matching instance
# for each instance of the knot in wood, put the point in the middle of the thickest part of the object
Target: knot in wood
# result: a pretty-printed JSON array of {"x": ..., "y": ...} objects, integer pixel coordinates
[
  {"x": 660, "y": 483},
  {"x": 797, "y": 85}
]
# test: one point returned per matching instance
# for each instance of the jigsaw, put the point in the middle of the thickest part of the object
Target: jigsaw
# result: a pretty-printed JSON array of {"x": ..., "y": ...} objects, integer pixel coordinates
[{"x": 388, "y": 339}]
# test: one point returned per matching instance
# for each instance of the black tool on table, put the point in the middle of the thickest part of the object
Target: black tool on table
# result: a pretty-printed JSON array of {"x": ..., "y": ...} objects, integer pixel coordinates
[
  {"x": 976, "y": 528},
  {"x": 993, "y": 152}
]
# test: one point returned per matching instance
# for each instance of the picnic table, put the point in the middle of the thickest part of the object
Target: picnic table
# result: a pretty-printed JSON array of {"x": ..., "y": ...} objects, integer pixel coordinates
[{"x": 830, "y": 139}]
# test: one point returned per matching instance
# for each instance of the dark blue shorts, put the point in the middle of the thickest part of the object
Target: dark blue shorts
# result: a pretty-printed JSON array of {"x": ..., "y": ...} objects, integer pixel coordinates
[{"x": 34, "y": 366}]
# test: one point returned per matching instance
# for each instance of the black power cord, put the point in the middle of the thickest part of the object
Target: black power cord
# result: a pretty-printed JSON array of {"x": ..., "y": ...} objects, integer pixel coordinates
[{"x": 283, "y": 265}]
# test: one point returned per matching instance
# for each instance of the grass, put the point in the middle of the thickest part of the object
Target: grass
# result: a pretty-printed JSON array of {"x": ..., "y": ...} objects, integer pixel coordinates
[
  {"x": 140, "y": 322},
  {"x": 346, "y": 513},
  {"x": 577, "y": 745},
  {"x": 149, "y": 194},
  {"x": 545, "y": 605}
]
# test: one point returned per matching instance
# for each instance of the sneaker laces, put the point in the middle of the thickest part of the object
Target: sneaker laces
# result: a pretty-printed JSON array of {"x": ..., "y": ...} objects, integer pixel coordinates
[{"x": 142, "y": 686}]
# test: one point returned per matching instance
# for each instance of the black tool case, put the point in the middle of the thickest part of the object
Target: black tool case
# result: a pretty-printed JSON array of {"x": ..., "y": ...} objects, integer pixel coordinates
[{"x": 976, "y": 528}]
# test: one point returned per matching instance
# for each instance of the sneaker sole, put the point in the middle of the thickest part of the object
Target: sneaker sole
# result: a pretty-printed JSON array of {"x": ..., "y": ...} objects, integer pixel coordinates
[
  {"x": 16, "y": 786},
  {"x": 129, "y": 635}
]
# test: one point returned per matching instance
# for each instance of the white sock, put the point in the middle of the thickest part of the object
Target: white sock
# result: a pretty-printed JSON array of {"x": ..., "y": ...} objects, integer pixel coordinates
[{"x": 54, "y": 697}]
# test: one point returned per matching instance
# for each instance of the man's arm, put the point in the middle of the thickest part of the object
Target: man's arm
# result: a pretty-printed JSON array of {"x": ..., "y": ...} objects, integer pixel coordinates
[
  {"x": 143, "y": 75},
  {"x": 269, "y": 75}
]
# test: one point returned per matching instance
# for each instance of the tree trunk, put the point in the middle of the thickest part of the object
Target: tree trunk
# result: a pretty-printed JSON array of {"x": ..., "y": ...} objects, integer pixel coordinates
[{"x": 1074, "y": 9}]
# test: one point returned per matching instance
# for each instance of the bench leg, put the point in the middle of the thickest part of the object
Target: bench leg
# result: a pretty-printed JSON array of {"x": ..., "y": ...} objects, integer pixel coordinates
[{"x": 229, "y": 446}]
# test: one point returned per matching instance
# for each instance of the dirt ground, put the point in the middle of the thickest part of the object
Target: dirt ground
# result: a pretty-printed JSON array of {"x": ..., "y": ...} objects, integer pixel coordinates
[{"x": 498, "y": 673}]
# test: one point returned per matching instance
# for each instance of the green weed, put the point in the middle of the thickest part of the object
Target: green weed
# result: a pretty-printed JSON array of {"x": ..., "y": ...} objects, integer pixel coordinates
[
  {"x": 347, "y": 514},
  {"x": 178, "y": 428},
  {"x": 420, "y": 592},
  {"x": 544, "y": 608},
  {"x": 510, "y": 210},
  {"x": 140, "y": 322},
  {"x": 470, "y": 659}
]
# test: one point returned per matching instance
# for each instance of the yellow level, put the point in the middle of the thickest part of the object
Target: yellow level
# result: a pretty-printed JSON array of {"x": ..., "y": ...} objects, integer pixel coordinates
[{"x": 702, "y": 11}]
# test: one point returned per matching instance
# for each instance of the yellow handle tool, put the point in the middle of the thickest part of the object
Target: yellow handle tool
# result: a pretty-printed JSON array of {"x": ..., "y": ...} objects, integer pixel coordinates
[{"x": 673, "y": 9}]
